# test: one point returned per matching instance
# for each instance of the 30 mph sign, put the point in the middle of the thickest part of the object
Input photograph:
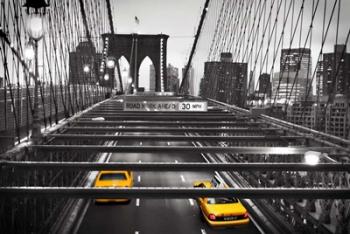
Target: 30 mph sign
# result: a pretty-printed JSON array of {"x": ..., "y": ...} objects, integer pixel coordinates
[{"x": 193, "y": 106}]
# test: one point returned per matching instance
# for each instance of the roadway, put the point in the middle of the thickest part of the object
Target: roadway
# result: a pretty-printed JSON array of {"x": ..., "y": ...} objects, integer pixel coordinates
[{"x": 153, "y": 216}]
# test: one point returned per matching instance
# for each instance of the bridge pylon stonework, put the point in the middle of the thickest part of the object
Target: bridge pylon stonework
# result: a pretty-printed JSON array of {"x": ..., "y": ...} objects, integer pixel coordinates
[{"x": 135, "y": 48}]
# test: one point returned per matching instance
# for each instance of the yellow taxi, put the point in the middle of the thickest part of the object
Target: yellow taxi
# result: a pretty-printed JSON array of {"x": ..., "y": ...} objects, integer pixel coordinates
[
  {"x": 221, "y": 211},
  {"x": 114, "y": 179}
]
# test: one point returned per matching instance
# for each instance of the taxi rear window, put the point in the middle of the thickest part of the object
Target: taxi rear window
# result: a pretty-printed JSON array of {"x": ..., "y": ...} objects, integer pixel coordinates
[
  {"x": 113, "y": 176},
  {"x": 222, "y": 200}
]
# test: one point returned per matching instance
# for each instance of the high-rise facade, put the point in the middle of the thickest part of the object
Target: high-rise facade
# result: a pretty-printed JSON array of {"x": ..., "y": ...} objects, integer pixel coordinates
[
  {"x": 293, "y": 82},
  {"x": 172, "y": 79},
  {"x": 319, "y": 79},
  {"x": 336, "y": 72},
  {"x": 337, "y": 118},
  {"x": 225, "y": 80},
  {"x": 83, "y": 64},
  {"x": 265, "y": 85},
  {"x": 189, "y": 83},
  {"x": 152, "y": 79}
]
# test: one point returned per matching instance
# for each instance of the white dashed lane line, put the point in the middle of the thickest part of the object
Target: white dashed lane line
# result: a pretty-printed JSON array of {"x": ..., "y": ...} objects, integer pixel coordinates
[
  {"x": 203, "y": 231},
  {"x": 176, "y": 161},
  {"x": 140, "y": 142},
  {"x": 137, "y": 201},
  {"x": 182, "y": 178},
  {"x": 137, "y": 232},
  {"x": 139, "y": 178},
  {"x": 191, "y": 201}
]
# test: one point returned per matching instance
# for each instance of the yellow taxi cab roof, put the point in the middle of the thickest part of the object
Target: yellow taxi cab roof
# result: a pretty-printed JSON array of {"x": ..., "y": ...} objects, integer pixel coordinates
[{"x": 111, "y": 172}]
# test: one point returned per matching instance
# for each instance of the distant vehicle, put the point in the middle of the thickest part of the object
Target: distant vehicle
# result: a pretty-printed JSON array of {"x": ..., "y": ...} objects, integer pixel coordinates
[
  {"x": 114, "y": 179},
  {"x": 221, "y": 211}
]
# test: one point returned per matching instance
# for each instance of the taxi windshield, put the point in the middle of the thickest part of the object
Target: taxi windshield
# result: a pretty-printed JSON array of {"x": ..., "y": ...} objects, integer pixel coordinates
[
  {"x": 221, "y": 200},
  {"x": 113, "y": 176}
]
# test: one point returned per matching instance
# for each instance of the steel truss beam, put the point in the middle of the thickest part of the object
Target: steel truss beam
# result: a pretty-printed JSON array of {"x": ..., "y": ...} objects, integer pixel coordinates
[
  {"x": 160, "y": 166},
  {"x": 98, "y": 137},
  {"x": 174, "y": 149},
  {"x": 181, "y": 192},
  {"x": 170, "y": 129},
  {"x": 157, "y": 123},
  {"x": 163, "y": 117},
  {"x": 155, "y": 113}
]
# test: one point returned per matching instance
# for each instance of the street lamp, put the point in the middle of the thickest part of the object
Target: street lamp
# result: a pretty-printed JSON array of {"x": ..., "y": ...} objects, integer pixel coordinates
[
  {"x": 110, "y": 63},
  {"x": 29, "y": 52},
  {"x": 36, "y": 10},
  {"x": 312, "y": 157},
  {"x": 86, "y": 69}
]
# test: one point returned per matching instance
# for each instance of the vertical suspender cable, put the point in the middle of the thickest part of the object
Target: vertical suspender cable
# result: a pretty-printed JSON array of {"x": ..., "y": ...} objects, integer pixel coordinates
[{"x": 204, "y": 13}]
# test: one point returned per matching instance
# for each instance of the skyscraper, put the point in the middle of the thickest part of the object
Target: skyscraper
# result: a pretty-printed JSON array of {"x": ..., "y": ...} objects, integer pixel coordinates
[
  {"x": 336, "y": 72},
  {"x": 265, "y": 84},
  {"x": 225, "y": 81},
  {"x": 319, "y": 79},
  {"x": 189, "y": 84},
  {"x": 172, "y": 79},
  {"x": 294, "y": 79},
  {"x": 152, "y": 78},
  {"x": 83, "y": 64}
]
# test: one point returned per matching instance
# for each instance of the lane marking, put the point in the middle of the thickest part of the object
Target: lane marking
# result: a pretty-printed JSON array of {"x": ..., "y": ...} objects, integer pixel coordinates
[
  {"x": 137, "y": 232},
  {"x": 140, "y": 161},
  {"x": 191, "y": 201},
  {"x": 168, "y": 143},
  {"x": 139, "y": 178},
  {"x": 203, "y": 231},
  {"x": 176, "y": 161},
  {"x": 182, "y": 178},
  {"x": 138, "y": 202},
  {"x": 109, "y": 157},
  {"x": 140, "y": 142}
]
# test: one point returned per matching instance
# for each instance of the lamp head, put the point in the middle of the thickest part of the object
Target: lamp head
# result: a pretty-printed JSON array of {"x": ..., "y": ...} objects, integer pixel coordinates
[
  {"x": 29, "y": 52},
  {"x": 86, "y": 68},
  {"x": 110, "y": 62},
  {"x": 35, "y": 26},
  {"x": 106, "y": 77}
]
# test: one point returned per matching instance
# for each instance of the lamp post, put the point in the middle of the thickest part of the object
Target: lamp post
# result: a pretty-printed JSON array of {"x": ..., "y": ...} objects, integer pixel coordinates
[
  {"x": 110, "y": 64},
  {"x": 36, "y": 10}
]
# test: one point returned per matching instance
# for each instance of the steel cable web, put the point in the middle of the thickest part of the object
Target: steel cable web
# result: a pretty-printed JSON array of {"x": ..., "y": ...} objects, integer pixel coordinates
[{"x": 258, "y": 40}]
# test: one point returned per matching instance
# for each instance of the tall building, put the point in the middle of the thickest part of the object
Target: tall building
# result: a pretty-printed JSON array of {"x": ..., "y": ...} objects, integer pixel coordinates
[
  {"x": 337, "y": 119},
  {"x": 225, "y": 80},
  {"x": 251, "y": 84},
  {"x": 336, "y": 72},
  {"x": 302, "y": 113},
  {"x": 332, "y": 118},
  {"x": 294, "y": 79},
  {"x": 203, "y": 86},
  {"x": 265, "y": 85},
  {"x": 152, "y": 78},
  {"x": 83, "y": 64},
  {"x": 189, "y": 83},
  {"x": 172, "y": 79},
  {"x": 319, "y": 79}
]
